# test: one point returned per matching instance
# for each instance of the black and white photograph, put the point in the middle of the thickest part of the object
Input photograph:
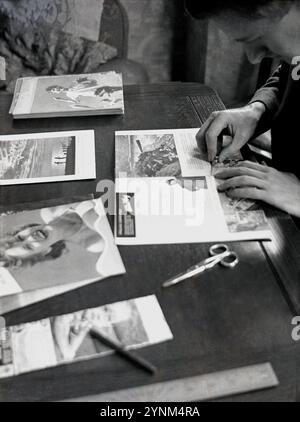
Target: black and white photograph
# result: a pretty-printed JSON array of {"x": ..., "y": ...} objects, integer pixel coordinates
[
  {"x": 47, "y": 157},
  {"x": 68, "y": 244},
  {"x": 161, "y": 153},
  {"x": 125, "y": 215},
  {"x": 81, "y": 92},
  {"x": 149, "y": 205},
  {"x": 244, "y": 221},
  {"x": 37, "y": 158},
  {"x": 58, "y": 96},
  {"x": 147, "y": 156},
  {"x": 73, "y": 337}
]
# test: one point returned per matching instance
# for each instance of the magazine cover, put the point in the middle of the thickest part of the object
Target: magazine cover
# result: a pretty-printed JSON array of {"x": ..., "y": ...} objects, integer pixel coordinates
[
  {"x": 68, "y": 245},
  {"x": 164, "y": 181},
  {"x": 47, "y": 157},
  {"x": 55, "y": 96},
  {"x": 68, "y": 338}
]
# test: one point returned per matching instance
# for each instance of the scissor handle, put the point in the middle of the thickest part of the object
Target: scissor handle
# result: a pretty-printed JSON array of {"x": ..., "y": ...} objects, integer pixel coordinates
[
  {"x": 218, "y": 249},
  {"x": 230, "y": 259}
]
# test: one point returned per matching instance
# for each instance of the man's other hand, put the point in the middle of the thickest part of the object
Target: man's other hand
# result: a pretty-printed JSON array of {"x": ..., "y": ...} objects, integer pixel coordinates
[{"x": 254, "y": 181}]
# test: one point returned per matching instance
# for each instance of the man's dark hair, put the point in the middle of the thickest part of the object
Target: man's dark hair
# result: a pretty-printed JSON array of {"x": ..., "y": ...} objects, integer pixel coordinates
[{"x": 209, "y": 8}]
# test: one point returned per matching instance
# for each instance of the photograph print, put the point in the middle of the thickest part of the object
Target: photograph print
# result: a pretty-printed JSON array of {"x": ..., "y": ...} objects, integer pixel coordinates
[
  {"x": 147, "y": 155},
  {"x": 56, "y": 246},
  {"x": 37, "y": 158},
  {"x": 78, "y": 92},
  {"x": 69, "y": 338},
  {"x": 121, "y": 322},
  {"x": 247, "y": 221}
]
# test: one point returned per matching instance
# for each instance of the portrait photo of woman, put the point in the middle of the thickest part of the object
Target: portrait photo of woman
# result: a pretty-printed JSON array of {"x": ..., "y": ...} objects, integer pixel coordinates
[{"x": 74, "y": 236}]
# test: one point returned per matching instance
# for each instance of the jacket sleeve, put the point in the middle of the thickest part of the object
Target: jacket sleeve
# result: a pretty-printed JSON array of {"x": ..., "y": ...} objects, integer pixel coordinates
[{"x": 271, "y": 93}]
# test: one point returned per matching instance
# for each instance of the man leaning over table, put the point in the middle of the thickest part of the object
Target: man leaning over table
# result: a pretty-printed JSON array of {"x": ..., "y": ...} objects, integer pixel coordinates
[{"x": 266, "y": 28}]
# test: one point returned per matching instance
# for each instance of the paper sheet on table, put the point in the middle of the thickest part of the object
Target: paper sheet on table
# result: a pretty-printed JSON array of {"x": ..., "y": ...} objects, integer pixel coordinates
[
  {"x": 166, "y": 194},
  {"x": 151, "y": 211},
  {"x": 64, "y": 339},
  {"x": 46, "y": 251},
  {"x": 47, "y": 157}
]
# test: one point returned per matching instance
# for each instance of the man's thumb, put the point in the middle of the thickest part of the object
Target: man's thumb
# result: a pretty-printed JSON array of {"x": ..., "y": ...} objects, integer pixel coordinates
[{"x": 233, "y": 148}]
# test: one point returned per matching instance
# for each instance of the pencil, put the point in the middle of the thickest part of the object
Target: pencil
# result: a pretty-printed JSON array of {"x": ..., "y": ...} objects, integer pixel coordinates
[{"x": 133, "y": 358}]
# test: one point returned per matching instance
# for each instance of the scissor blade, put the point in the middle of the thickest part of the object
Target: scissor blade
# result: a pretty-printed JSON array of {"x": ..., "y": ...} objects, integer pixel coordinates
[{"x": 185, "y": 276}]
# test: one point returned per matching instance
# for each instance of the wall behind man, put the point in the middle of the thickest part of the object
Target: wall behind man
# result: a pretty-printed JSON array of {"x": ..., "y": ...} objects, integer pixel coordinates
[
  {"x": 173, "y": 48},
  {"x": 227, "y": 68},
  {"x": 153, "y": 30},
  {"x": 154, "y": 39}
]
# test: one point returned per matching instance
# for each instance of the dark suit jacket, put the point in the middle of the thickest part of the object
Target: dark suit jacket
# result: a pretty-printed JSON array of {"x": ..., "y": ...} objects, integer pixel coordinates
[{"x": 281, "y": 95}]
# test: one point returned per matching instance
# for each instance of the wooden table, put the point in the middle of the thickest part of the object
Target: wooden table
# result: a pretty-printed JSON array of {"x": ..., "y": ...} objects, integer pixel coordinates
[{"x": 229, "y": 319}]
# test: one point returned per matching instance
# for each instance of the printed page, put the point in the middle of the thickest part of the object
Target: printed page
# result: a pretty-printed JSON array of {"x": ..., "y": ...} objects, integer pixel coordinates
[
  {"x": 46, "y": 343},
  {"x": 165, "y": 193},
  {"x": 15, "y": 96},
  {"x": 69, "y": 94},
  {"x": 181, "y": 210},
  {"x": 47, "y": 157},
  {"x": 244, "y": 220},
  {"x": 193, "y": 160},
  {"x": 24, "y": 94},
  {"x": 69, "y": 245},
  {"x": 166, "y": 211},
  {"x": 160, "y": 153}
]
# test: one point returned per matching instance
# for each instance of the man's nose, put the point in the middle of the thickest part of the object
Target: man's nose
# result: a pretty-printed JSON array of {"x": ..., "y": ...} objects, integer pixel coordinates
[{"x": 255, "y": 54}]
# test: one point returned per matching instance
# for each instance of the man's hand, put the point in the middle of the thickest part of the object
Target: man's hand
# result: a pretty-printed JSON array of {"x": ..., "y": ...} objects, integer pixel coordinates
[
  {"x": 240, "y": 124},
  {"x": 254, "y": 181}
]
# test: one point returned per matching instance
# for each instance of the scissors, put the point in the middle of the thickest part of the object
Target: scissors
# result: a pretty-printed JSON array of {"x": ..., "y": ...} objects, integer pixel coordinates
[{"x": 219, "y": 254}]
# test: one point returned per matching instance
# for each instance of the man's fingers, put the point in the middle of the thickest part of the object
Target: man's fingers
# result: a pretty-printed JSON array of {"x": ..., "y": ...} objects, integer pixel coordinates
[
  {"x": 227, "y": 173},
  {"x": 213, "y": 133},
  {"x": 201, "y": 134},
  {"x": 253, "y": 166},
  {"x": 239, "y": 140},
  {"x": 240, "y": 182},
  {"x": 247, "y": 193}
]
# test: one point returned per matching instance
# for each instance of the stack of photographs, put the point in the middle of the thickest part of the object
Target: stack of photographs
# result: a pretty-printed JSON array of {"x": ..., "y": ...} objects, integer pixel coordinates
[{"x": 68, "y": 95}]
